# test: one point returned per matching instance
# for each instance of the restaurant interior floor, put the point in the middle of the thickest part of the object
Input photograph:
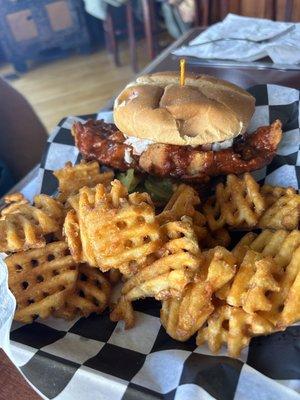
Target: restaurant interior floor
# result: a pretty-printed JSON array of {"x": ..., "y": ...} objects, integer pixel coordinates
[{"x": 77, "y": 85}]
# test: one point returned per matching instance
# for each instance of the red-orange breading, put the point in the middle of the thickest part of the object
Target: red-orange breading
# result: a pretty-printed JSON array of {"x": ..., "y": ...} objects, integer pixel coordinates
[{"x": 97, "y": 140}]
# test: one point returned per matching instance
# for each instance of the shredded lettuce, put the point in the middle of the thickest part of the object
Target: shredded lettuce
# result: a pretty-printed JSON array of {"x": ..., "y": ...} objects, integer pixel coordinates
[{"x": 129, "y": 179}]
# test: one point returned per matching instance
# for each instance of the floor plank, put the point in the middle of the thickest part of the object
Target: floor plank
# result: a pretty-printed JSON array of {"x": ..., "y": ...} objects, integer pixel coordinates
[{"x": 79, "y": 84}]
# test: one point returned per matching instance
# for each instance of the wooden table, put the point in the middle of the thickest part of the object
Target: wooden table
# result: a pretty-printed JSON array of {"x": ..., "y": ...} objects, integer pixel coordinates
[{"x": 12, "y": 384}]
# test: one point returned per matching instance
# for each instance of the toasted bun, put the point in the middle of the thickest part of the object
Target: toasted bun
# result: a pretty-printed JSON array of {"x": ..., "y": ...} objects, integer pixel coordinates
[{"x": 204, "y": 110}]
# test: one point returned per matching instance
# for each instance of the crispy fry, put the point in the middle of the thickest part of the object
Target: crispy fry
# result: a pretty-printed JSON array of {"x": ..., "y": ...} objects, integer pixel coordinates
[
  {"x": 183, "y": 202},
  {"x": 212, "y": 210},
  {"x": 199, "y": 225},
  {"x": 13, "y": 201},
  {"x": 15, "y": 198},
  {"x": 255, "y": 278},
  {"x": 223, "y": 292},
  {"x": 183, "y": 316},
  {"x": 283, "y": 309},
  {"x": 175, "y": 266},
  {"x": 18, "y": 233},
  {"x": 234, "y": 327},
  {"x": 71, "y": 178},
  {"x": 272, "y": 193},
  {"x": 237, "y": 204},
  {"x": 51, "y": 207},
  {"x": 242, "y": 204},
  {"x": 116, "y": 230},
  {"x": 113, "y": 276},
  {"x": 72, "y": 233},
  {"x": 291, "y": 309},
  {"x": 91, "y": 294},
  {"x": 227, "y": 297},
  {"x": 280, "y": 245},
  {"x": 41, "y": 280},
  {"x": 181, "y": 324},
  {"x": 284, "y": 213},
  {"x": 123, "y": 311},
  {"x": 26, "y": 226},
  {"x": 219, "y": 237},
  {"x": 284, "y": 249}
]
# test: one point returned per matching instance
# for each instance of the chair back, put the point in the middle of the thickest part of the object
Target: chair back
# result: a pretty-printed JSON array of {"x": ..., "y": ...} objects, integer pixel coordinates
[{"x": 210, "y": 11}]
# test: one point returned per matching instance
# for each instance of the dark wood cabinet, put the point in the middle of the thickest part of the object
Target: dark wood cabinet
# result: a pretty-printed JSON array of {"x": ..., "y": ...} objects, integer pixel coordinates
[{"x": 34, "y": 29}]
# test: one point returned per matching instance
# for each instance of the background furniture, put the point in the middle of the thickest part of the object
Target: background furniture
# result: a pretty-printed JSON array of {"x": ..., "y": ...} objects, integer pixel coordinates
[
  {"x": 206, "y": 13},
  {"x": 149, "y": 26},
  {"x": 281, "y": 10},
  {"x": 41, "y": 29}
]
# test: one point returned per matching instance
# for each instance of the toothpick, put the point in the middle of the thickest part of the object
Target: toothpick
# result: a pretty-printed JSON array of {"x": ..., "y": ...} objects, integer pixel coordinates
[{"x": 182, "y": 72}]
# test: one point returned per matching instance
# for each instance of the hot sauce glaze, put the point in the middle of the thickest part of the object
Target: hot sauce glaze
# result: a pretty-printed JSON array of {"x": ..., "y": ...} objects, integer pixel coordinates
[
  {"x": 100, "y": 141},
  {"x": 97, "y": 140}
]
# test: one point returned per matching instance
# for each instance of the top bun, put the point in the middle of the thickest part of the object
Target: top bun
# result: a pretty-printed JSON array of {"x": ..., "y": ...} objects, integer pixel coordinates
[{"x": 204, "y": 110}]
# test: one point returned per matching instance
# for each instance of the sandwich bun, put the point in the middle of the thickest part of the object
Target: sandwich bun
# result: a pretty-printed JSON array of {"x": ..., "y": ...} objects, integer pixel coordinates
[{"x": 203, "y": 111}]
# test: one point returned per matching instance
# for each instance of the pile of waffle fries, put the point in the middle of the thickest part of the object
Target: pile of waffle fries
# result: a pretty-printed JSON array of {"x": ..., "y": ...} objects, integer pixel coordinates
[{"x": 66, "y": 254}]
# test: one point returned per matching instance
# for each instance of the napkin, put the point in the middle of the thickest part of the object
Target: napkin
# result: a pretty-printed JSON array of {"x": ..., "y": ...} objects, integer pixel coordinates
[{"x": 247, "y": 39}]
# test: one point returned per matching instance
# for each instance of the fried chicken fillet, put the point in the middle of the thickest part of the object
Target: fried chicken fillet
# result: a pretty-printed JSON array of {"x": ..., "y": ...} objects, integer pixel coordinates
[{"x": 97, "y": 140}]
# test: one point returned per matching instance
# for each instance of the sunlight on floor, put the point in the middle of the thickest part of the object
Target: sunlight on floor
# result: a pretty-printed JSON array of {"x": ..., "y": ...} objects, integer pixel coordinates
[{"x": 77, "y": 85}]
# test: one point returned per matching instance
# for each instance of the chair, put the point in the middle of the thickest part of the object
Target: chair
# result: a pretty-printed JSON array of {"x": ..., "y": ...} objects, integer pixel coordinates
[
  {"x": 202, "y": 12},
  {"x": 288, "y": 10},
  {"x": 149, "y": 26},
  {"x": 111, "y": 33},
  {"x": 283, "y": 10},
  {"x": 250, "y": 8}
]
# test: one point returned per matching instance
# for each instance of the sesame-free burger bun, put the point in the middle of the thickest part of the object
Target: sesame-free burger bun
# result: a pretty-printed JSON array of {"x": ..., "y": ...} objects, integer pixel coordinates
[{"x": 203, "y": 111}]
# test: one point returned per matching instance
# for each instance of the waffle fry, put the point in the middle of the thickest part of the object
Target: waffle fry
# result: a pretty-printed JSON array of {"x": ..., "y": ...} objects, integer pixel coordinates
[
  {"x": 123, "y": 311},
  {"x": 222, "y": 293},
  {"x": 71, "y": 178},
  {"x": 13, "y": 201},
  {"x": 291, "y": 308},
  {"x": 113, "y": 276},
  {"x": 219, "y": 237},
  {"x": 175, "y": 267},
  {"x": 184, "y": 316},
  {"x": 116, "y": 230},
  {"x": 41, "y": 280},
  {"x": 72, "y": 233},
  {"x": 91, "y": 294},
  {"x": 53, "y": 208},
  {"x": 199, "y": 225},
  {"x": 25, "y": 227},
  {"x": 237, "y": 204},
  {"x": 280, "y": 245},
  {"x": 18, "y": 204},
  {"x": 227, "y": 297},
  {"x": 234, "y": 327},
  {"x": 254, "y": 279},
  {"x": 15, "y": 198},
  {"x": 183, "y": 202},
  {"x": 171, "y": 269},
  {"x": 272, "y": 193},
  {"x": 212, "y": 210},
  {"x": 284, "y": 302},
  {"x": 182, "y": 324},
  {"x": 284, "y": 213},
  {"x": 284, "y": 249}
]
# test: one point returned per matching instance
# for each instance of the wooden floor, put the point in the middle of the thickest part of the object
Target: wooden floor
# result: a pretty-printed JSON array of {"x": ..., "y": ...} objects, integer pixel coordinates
[{"x": 80, "y": 84}]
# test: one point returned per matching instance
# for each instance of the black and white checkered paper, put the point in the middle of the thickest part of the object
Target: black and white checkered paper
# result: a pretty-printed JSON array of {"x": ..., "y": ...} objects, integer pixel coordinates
[{"x": 94, "y": 358}]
